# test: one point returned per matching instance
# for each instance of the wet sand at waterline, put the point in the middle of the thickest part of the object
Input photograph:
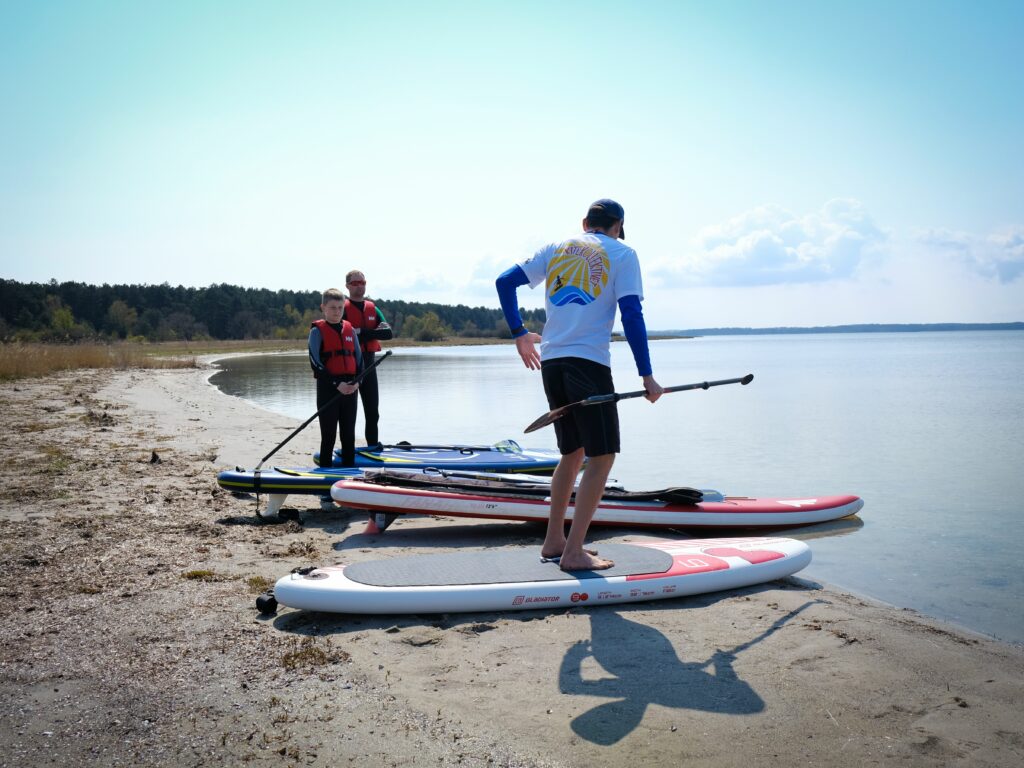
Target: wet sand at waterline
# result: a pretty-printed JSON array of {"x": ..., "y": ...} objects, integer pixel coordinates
[{"x": 129, "y": 634}]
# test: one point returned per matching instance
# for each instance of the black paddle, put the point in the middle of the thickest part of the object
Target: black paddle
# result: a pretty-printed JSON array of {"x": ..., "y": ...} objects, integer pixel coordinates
[
  {"x": 329, "y": 403},
  {"x": 553, "y": 416},
  {"x": 505, "y": 446},
  {"x": 403, "y": 446}
]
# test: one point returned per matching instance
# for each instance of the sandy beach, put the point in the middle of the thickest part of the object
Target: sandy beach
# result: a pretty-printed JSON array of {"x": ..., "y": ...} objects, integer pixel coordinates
[{"x": 130, "y": 637}]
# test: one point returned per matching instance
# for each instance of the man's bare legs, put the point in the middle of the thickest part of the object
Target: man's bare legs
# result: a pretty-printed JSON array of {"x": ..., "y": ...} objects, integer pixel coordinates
[
  {"x": 563, "y": 481},
  {"x": 592, "y": 485}
]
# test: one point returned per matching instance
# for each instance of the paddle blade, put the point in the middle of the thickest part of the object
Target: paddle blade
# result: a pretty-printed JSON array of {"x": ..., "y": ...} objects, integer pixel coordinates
[{"x": 548, "y": 418}]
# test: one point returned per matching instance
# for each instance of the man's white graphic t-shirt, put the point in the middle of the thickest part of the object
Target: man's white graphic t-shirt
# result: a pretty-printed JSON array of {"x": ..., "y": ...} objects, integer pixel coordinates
[{"x": 584, "y": 278}]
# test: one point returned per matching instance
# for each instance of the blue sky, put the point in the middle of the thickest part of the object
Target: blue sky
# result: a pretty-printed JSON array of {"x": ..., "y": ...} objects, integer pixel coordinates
[{"x": 780, "y": 163}]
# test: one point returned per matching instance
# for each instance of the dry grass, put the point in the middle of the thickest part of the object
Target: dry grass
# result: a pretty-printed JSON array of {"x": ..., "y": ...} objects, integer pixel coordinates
[
  {"x": 308, "y": 653},
  {"x": 213, "y": 347},
  {"x": 258, "y": 584},
  {"x": 203, "y": 574},
  {"x": 57, "y": 460},
  {"x": 20, "y": 361}
]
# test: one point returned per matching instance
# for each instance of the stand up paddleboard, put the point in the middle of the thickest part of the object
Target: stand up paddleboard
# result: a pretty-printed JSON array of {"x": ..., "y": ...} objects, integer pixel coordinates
[
  {"x": 517, "y": 579},
  {"x": 504, "y": 456},
  {"x": 386, "y": 495},
  {"x": 278, "y": 482}
]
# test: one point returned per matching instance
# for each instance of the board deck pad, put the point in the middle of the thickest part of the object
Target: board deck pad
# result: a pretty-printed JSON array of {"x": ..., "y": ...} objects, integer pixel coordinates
[{"x": 500, "y": 567}]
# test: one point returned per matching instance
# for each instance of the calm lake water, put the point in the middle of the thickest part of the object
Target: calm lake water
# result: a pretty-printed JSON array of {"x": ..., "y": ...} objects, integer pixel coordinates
[{"x": 926, "y": 427}]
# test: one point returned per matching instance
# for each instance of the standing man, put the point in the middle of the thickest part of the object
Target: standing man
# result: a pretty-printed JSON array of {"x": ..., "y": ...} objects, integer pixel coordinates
[
  {"x": 585, "y": 278},
  {"x": 336, "y": 361},
  {"x": 371, "y": 329}
]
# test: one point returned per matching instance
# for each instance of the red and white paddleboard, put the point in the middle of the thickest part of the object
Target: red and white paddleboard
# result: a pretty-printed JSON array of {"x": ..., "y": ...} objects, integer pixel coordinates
[
  {"x": 517, "y": 579},
  {"x": 716, "y": 511}
]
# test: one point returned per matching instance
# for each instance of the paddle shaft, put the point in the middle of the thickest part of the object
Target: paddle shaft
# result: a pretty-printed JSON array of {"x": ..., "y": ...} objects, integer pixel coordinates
[
  {"x": 553, "y": 416},
  {"x": 462, "y": 448},
  {"x": 327, "y": 405},
  {"x": 614, "y": 398}
]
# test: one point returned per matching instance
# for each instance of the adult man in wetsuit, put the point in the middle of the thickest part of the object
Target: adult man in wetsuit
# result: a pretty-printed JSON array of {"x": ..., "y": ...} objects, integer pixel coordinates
[
  {"x": 585, "y": 278},
  {"x": 371, "y": 329},
  {"x": 336, "y": 360}
]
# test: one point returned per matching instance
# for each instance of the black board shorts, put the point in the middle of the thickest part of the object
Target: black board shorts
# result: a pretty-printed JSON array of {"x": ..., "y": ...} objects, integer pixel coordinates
[{"x": 595, "y": 428}]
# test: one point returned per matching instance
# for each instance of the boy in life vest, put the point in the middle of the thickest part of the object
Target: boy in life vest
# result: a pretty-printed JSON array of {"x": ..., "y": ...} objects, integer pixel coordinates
[
  {"x": 371, "y": 329},
  {"x": 336, "y": 360}
]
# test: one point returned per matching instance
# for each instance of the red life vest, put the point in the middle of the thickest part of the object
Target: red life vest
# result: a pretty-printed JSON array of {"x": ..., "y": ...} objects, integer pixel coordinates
[
  {"x": 364, "y": 321},
  {"x": 337, "y": 351}
]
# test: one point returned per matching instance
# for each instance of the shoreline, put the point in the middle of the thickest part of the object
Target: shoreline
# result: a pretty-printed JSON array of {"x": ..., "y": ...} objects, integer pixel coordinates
[
  {"x": 807, "y": 533},
  {"x": 131, "y": 638}
]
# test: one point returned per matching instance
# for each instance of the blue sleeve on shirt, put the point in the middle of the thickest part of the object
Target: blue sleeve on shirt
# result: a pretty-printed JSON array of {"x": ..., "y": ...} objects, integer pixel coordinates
[
  {"x": 314, "y": 352},
  {"x": 636, "y": 332},
  {"x": 506, "y": 284}
]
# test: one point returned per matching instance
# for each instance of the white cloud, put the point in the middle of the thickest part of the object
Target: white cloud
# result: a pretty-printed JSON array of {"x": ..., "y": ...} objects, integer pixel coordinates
[
  {"x": 460, "y": 274},
  {"x": 450, "y": 281},
  {"x": 770, "y": 245},
  {"x": 999, "y": 255}
]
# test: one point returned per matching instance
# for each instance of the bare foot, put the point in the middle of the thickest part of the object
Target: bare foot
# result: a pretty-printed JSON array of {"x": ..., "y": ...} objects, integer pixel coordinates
[
  {"x": 558, "y": 556},
  {"x": 586, "y": 563}
]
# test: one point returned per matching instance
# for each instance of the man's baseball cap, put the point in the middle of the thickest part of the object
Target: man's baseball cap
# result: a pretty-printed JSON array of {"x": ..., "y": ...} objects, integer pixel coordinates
[{"x": 609, "y": 208}]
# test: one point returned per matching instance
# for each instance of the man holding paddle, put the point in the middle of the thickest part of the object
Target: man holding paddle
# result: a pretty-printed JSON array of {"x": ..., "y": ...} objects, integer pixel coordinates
[{"x": 585, "y": 278}]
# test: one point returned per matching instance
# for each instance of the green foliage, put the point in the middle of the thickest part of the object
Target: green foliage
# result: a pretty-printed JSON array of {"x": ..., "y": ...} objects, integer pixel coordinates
[
  {"x": 426, "y": 328},
  {"x": 121, "y": 318},
  {"x": 47, "y": 312}
]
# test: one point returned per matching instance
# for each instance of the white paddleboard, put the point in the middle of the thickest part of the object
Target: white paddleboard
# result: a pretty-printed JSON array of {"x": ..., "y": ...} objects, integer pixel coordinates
[{"x": 517, "y": 579}]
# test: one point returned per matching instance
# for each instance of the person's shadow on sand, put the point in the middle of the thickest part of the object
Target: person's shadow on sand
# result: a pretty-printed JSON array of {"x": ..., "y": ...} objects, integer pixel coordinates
[{"x": 646, "y": 670}]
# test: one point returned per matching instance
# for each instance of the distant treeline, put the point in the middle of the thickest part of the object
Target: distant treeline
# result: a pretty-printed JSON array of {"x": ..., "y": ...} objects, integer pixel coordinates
[
  {"x": 862, "y": 328},
  {"x": 76, "y": 312}
]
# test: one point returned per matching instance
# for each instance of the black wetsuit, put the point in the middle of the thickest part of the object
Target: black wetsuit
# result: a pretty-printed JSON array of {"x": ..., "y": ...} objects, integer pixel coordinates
[{"x": 369, "y": 392}]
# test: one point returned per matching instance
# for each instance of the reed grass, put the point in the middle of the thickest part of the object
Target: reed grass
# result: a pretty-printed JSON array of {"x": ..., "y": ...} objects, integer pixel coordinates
[{"x": 22, "y": 361}]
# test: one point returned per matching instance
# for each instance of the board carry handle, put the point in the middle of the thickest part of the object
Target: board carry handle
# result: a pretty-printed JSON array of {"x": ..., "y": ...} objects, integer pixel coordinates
[
  {"x": 327, "y": 405},
  {"x": 552, "y": 416}
]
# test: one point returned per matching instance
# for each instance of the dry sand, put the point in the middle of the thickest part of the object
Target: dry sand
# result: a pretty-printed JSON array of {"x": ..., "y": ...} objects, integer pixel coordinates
[{"x": 129, "y": 635}]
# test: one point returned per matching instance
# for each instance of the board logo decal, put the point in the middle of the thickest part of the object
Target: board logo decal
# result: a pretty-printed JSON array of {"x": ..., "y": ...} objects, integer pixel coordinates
[{"x": 524, "y": 600}]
